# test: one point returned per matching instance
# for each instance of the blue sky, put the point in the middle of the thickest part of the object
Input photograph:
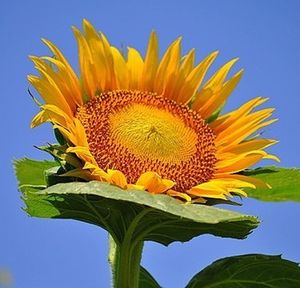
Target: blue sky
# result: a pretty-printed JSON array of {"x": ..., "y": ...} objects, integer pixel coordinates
[{"x": 266, "y": 37}]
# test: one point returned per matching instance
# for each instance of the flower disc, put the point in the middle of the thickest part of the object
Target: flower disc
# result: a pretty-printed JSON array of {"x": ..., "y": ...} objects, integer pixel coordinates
[{"x": 136, "y": 132}]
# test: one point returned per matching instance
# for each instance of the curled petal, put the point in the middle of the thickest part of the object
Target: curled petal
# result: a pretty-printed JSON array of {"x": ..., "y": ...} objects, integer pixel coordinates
[
  {"x": 152, "y": 182},
  {"x": 117, "y": 178}
]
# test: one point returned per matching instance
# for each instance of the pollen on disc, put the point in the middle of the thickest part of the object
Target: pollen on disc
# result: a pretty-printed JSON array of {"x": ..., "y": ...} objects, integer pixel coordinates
[{"x": 136, "y": 132}]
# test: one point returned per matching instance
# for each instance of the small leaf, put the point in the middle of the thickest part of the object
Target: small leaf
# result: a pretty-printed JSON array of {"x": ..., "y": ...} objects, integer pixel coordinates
[
  {"x": 248, "y": 271},
  {"x": 147, "y": 280},
  {"x": 31, "y": 172},
  {"x": 158, "y": 218},
  {"x": 285, "y": 184}
]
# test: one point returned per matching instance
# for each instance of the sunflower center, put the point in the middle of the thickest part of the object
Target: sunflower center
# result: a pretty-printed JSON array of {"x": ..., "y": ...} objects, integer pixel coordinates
[
  {"x": 152, "y": 133},
  {"x": 136, "y": 132}
]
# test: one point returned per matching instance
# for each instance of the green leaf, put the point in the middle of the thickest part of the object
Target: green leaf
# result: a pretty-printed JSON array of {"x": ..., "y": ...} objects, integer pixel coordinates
[
  {"x": 285, "y": 184},
  {"x": 31, "y": 172},
  {"x": 147, "y": 280},
  {"x": 248, "y": 271},
  {"x": 158, "y": 218}
]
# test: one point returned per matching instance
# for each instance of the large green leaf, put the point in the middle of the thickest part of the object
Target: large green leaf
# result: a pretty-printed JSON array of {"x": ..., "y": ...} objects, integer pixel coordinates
[
  {"x": 248, "y": 271},
  {"x": 159, "y": 218},
  {"x": 285, "y": 184}
]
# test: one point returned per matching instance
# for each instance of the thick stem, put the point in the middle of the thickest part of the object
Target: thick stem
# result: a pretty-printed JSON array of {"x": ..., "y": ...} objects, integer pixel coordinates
[
  {"x": 125, "y": 255},
  {"x": 125, "y": 261}
]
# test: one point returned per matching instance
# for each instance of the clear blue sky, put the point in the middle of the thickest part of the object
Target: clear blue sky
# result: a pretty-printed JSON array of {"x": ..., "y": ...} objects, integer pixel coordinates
[{"x": 265, "y": 35}]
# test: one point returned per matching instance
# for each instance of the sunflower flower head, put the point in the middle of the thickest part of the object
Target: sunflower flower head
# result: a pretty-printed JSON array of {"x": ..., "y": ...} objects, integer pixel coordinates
[{"x": 148, "y": 123}]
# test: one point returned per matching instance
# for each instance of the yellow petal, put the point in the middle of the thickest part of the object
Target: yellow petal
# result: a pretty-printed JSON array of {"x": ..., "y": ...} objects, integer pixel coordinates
[
  {"x": 87, "y": 66},
  {"x": 272, "y": 157},
  {"x": 53, "y": 114},
  {"x": 50, "y": 92},
  {"x": 239, "y": 163},
  {"x": 168, "y": 67},
  {"x": 58, "y": 77},
  {"x": 82, "y": 153},
  {"x": 152, "y": 182},
  {"x": 254, "y": 181},
  {"x": 246, "y": 146},
  {"x": 117, "y": 178},
  {"x": 74, "y": 132},
  {"x": 96, "y": 172},
  {"x": 121, "y": 70},
  {"x": 187, "y": 64},
  {"x": 217, "y": 100},
  {"x": 68, "y": 81},
  {"x": 135, "y": 67},
  {"x": 238, "y": 191},
  {"x": 233, "y": 182},
  {"x": 209, "y": 189},
  {"x": 228, "y": 119},
  {"x": 135, "y": 187},
  {"x": 181, "y": 195},
  {"x": 59, "y": 57},
  {"x": 213, "y": 85},
  {"x": 242, "y": 133},
  {"x": 101, "y": 57},
  {"x": 197, "y": 191},
  {"x": 195, "y": 78},
  {"x": 111, "y": 79},
  {"x": 178, "y": 79},
  {"x": 151, "y": 64},
  {"x": 220, "y": 188}
]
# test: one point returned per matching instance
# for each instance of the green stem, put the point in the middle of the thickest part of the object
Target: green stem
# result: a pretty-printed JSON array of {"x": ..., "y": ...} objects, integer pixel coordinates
[
  {"x": 125, "y": 255},
  {"x": 125, "y": 261}
]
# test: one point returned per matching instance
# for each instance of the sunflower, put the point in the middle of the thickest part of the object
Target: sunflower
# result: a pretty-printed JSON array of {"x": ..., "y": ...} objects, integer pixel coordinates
[{"x": 151, "y": 124}]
